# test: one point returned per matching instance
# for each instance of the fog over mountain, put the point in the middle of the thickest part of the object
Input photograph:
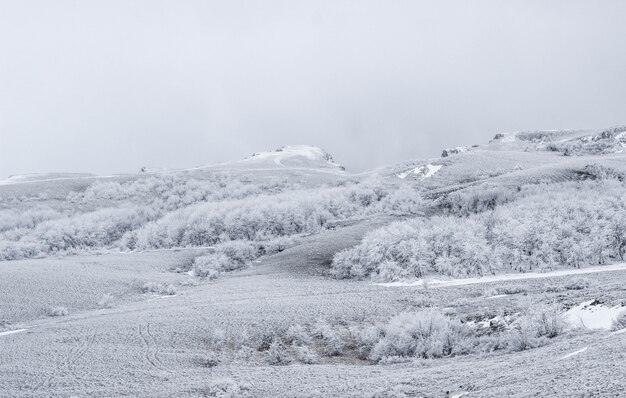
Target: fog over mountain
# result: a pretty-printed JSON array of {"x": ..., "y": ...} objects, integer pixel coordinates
[{"x": 109, "y": 87}]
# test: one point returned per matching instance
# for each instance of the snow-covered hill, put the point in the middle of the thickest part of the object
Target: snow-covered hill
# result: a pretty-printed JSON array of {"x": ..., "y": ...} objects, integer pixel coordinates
[
  {"x": 293, "y": 156},
  {"x": 507, "y": 246}
]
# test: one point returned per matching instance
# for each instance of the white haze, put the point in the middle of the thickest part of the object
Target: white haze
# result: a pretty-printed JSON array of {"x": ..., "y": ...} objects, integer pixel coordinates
[{"x": 111, "y": 86}]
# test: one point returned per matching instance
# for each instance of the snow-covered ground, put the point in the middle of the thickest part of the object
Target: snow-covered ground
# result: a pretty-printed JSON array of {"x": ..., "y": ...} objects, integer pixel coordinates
[
  {"x": 421, "y": 172},
  {"x": 152, "y": 348},
  {"x": 435, "y": 283},
  {"x": 593, "y": 315},
  {"x": 294, "y": 156},
  {"x": 8, "y": 332},
  {"x": 112, "y": 337}
]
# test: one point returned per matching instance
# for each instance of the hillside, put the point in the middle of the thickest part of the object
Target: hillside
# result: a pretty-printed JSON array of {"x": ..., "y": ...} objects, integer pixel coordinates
[{"x": 283, "y": 274}]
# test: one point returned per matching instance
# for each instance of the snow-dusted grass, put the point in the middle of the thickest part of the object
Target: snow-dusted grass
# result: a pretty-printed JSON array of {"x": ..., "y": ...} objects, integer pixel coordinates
[
  {"x": 30, "y": 288},
  {"x": 226, "y": 320}
]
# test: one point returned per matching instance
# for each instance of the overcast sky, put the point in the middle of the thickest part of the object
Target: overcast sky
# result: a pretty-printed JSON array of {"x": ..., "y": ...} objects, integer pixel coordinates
[{"x": 110, "y": 86}]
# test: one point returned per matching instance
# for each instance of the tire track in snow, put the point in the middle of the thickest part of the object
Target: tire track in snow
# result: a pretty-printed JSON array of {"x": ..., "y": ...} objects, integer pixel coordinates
[
  {"x": 151, "y": 351},
  {"x": 67, "y": 362}
]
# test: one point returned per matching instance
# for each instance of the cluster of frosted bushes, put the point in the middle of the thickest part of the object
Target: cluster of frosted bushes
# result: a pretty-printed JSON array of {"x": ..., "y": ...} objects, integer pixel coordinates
[
  {"x": 19, "y": 250},
  {"x": 136, "y": 222},
  {"x": 266, "y": 217},
  {"x": 430, "y": 334},
  {"x": 572, "y": 224},
  {"x": 14, "y": 220},
  {"x": 170, "y": 192},
  {"x": 475, "y": 200},
  {"x": 408, "y": 335},
  {"x": 608, "y": 141},
  {"x": 97, "y": 229},
  {"x": 233, "y": 255},
  {"x": 413, "y": 248}
]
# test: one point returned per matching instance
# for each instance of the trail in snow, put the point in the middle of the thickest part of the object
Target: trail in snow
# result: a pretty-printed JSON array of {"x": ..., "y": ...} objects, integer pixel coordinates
[
  {"x": 12, "y": 332},
  {"x": 434, "y": 283},
  {"x": 497, "y": 296},
  {"x": 573, "y": 353}
]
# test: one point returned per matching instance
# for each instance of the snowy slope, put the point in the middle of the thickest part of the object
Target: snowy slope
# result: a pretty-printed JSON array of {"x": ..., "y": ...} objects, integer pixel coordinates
[
  {"x": 295, "y": 156},
  {"x": 39, "y": 177}
]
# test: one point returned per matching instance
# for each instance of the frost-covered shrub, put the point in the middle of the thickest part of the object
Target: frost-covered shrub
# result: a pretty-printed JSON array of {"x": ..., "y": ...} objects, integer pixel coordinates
[
  {"x": 404, "y": 200},
  {"x": 17, "y": 250},
  {"x": 58, "y": 311},
  {"x": 523, "y": 335},
  {"x": 577, "y": 284},
  {"x": 211, "y": 265},
  {"x": 275, "y": 245},
  {"x": 234, "y": 255},
  {"x": 490, "y": 292},
  {"x": 424, "y": 334},
  {"x": 474, "y": 200},
  {"x": 342, "y": 266},
  {"x": 305, "y": 355},
  {"x": 223, "y": 388},
  {"x": 597, "y": 171},
  {"x": 207, "y": 360},
  {"x": 297, "y": 335},
  {"x": 512, "y": 289},
  {"x": 264, "y": 341},
  {"x": 14, "y": 219},
  {"x": 619, "y": 322},
  {"x": 277, "y": 354},
  {"x": 548, "y": 319},
  {"x": 224, "y": 257},
  {"x": 159, "y": 288},
  {"x": 239, "y": 252},
  {"x": 389, "y": 271},
  {"x": 333, "y": 339},
  {"x": 540, "y": 322},
  {"x": 364, "y": 337}
]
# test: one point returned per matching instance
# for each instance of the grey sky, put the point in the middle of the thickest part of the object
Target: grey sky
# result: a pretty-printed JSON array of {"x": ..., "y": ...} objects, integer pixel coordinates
[{"x": 109, "y": 86}]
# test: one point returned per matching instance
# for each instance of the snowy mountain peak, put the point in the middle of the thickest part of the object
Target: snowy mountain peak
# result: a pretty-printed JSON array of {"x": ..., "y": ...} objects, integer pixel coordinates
[{"x": 296, "y": 156}]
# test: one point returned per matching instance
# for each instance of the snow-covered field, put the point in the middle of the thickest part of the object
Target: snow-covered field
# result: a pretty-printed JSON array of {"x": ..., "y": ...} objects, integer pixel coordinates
[
  {"x": 152, "y": 347},
  {"x": 283, "y": 275}
]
